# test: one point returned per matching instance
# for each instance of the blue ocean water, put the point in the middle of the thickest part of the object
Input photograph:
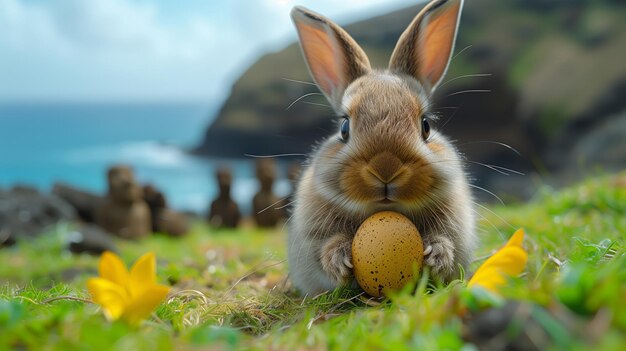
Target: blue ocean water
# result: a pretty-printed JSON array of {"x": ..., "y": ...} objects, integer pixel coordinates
[{"x": 75, "y": 143}]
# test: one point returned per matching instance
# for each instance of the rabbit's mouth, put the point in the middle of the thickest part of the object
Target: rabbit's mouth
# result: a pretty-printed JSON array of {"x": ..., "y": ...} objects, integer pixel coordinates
[{"x": 386, "y": 201}]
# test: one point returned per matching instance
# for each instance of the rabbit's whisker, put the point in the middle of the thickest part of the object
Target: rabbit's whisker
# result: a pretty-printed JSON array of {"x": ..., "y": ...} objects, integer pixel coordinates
[
  {"x": 465, "y": 76},
  {"x": 460, "y": 52},
  {"x": 488, "y": 192},
  {"x": 470, "y": 91},
  {"x": 270, "y": 206},
  {"x": 300, "y": 98},
  {"x": 316, "y": 104},
  {"x": 285, "y": 205},
  {"x": 450, "y": 118},
  {"x": 493, "y": 213},
  {"x": 298, "y": 81},
  {"x": 271, "y": 156},
  {"x": 499, "y": 169},
  {"x": 492, "y": 142}
]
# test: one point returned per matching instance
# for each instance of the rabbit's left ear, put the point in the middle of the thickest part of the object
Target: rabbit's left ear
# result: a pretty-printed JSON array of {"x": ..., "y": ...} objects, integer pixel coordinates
[{"x": 425, "y": 48}]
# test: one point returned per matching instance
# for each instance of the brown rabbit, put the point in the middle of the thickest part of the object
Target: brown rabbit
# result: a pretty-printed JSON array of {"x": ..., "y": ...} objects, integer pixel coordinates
[{"x": 384, "y": 156}]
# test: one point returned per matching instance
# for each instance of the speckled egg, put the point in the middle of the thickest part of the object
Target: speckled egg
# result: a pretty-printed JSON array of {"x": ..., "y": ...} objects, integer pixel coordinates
[{"x": 386, "y": 251}]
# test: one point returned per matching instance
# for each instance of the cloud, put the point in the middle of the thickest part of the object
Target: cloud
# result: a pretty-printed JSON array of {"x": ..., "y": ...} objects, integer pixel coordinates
[
  {"x": 99, "y": 49},
  {"x": 141, "y": 50}
]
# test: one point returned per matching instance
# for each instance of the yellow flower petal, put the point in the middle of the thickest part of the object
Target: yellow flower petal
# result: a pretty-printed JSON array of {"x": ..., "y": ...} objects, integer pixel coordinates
[
  {"x": 113, "y": 269},
  {"x": 112, "y": 297},
  {"x": 509, "y": 261},
  {"x": 142, "y": 305},
  {"x": 516, "y": 239},
  {"x": 143, "y": 274}
]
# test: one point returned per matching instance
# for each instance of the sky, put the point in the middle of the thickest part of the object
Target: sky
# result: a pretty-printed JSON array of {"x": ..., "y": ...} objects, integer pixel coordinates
[{"x": 146, "y": 51}]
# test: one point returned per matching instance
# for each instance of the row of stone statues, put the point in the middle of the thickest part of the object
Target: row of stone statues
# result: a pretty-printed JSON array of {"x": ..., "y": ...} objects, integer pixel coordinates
[
  {"x": 267, "y": 209},
  {"x": 128, "y": 210}
]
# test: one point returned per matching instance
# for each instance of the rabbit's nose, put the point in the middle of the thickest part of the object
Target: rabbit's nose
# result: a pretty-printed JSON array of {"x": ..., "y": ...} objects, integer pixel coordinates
[{"x": 386, "y": 167}]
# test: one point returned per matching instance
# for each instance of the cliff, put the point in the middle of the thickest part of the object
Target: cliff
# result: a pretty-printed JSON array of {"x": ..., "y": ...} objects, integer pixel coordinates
[{"x": 548, "y": 73}]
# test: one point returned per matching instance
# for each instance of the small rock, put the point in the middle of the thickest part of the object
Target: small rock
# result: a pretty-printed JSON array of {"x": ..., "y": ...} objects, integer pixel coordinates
[
  {"x": 91, "y": 239},
  {"x": 171, "y": 222},
  {"x": 164, "y": 220}
]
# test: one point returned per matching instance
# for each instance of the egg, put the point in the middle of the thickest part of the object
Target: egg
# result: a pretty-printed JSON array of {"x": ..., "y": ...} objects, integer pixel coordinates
[{"x": 387, "y": 251}]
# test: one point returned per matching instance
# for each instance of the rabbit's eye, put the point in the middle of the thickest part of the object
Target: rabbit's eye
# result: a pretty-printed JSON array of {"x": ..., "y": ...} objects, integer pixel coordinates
[
  {"x": 425, "y": 129},
  {"x": 344, "y": 129}
]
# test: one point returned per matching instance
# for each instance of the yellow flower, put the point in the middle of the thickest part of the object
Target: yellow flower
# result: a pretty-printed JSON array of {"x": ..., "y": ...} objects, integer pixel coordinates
[
  {"x": 132, "y": 295},
  {"x": 509, "y": 261}
]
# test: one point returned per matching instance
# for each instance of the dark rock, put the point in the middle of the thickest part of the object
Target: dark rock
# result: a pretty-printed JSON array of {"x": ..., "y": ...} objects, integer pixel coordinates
[
  {"x": 171, "y": 222},
  {"x": 124, "y": 212},
  {"x": 26, "y": 213},
  {"x": 224, "y": 211},
  {"x": 164, "y": 220},
  {"x": 91, "y": 239},
  {"x": 83, "y": 201},
  {"x": 6, "y": 239}
]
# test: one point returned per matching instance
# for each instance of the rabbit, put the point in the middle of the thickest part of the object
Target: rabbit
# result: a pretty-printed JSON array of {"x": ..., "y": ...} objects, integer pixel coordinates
[{"x": 384, "y": 156}]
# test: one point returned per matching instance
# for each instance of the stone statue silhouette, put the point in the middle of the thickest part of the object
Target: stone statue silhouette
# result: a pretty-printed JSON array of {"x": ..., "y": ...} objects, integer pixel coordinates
[
  {"x": 123, "y": 211},
  {"x": 224, "y": 211},
  {"x": 265, "y": 204}
]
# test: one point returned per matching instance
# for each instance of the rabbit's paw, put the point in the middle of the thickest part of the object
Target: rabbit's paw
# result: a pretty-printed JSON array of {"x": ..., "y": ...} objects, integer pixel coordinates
[
  {"x": 439, "y": 255},
  {"x": 336, "y": 258}
]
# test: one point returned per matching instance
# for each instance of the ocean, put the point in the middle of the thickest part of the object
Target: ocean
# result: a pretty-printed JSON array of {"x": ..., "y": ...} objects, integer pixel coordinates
[{"x": 41, "y": 144}]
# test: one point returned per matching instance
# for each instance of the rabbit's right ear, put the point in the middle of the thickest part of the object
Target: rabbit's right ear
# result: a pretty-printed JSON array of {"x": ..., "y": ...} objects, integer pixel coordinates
[
  {"x": 424, "y": 49},
  {"x": 333, "y": 57}
]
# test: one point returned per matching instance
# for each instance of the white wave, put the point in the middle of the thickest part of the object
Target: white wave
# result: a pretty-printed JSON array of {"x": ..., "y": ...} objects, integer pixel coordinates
[{"x": 145, "y": 153}]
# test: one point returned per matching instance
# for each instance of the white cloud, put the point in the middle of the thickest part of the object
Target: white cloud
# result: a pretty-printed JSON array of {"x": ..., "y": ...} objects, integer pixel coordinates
[
  {"x": 106, "y": 49},
  {"x": 129, "y": 50}
]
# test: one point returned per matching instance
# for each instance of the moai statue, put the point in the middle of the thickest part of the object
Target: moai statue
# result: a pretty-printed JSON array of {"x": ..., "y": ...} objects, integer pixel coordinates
[
  {"x": 123, "y": 211},
  {"x": 265, "y": 205},
  {"x": 164, "y": 220},
  {"x": 224, "y": 210}
]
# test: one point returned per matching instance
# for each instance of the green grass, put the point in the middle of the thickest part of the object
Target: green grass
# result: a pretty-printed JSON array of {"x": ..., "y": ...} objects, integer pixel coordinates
[{"x": 229, "y": 289}]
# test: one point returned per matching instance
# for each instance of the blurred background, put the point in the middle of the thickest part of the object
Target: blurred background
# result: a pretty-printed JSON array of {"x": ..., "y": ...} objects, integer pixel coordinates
[{"x": 536, "y": 92}]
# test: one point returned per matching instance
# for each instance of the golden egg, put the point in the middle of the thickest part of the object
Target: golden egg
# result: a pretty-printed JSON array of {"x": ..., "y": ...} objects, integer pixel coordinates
[{"x": 387, "y": 251}]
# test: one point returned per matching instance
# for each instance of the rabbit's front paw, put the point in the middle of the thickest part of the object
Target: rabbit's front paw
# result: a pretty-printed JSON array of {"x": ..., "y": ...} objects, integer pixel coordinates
[
  {"x": 439, "y": 255},
  {"x": 336, "y": 258}
]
